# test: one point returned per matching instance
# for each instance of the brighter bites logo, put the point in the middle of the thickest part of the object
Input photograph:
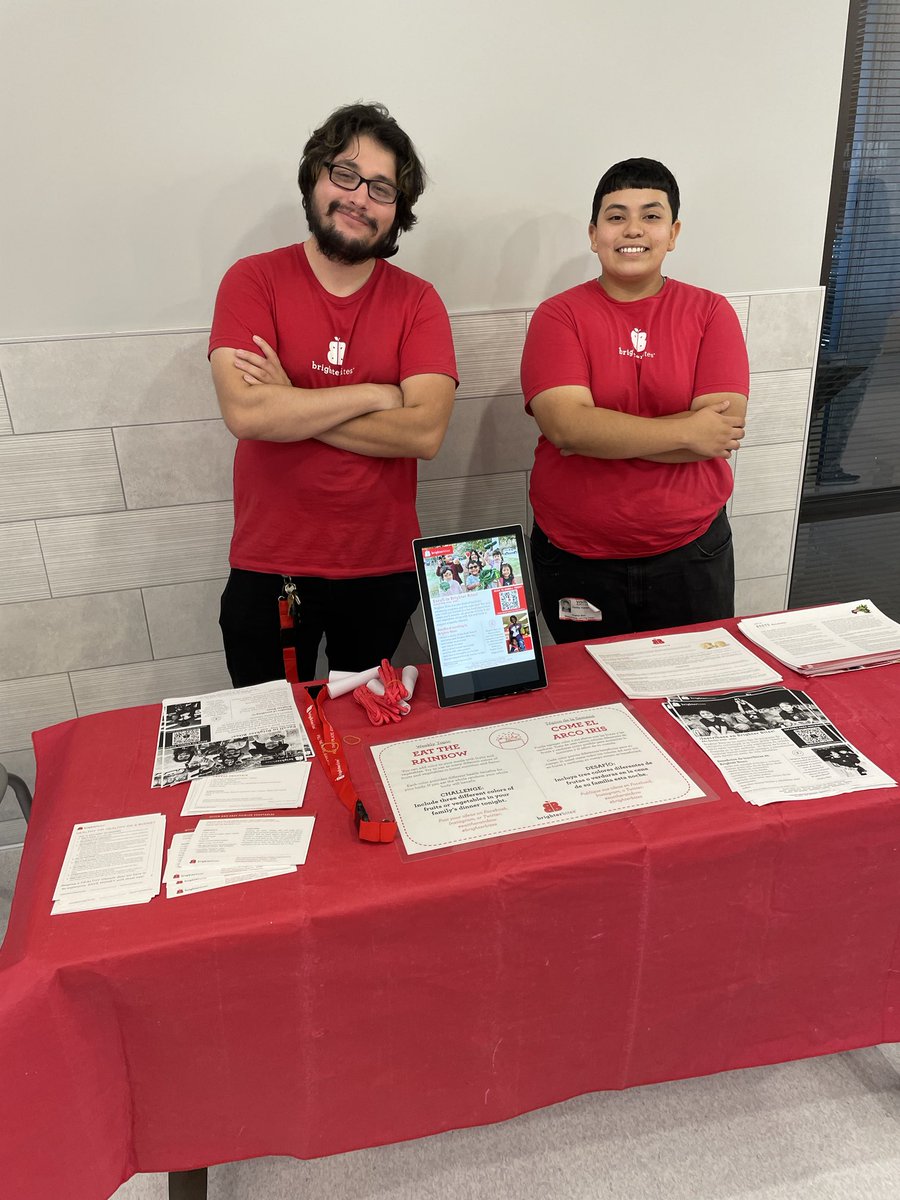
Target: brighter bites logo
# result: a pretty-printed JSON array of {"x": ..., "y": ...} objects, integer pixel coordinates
[
  {"x": 336, "y": 351},
  {"x": 638, "y": 348}
]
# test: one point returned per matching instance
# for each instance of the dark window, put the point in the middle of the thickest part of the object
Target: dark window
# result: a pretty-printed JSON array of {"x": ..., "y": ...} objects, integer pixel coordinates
[{"x": 847, "y": 540}]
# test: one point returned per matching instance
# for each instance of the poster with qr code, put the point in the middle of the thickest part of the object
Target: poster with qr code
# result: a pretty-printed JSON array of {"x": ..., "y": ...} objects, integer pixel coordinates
[{"x": 478, "y": 601}]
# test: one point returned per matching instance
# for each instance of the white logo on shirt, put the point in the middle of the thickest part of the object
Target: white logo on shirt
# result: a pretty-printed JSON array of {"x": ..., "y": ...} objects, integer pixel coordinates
[
  {"x": 638, "y": 348},
  {"x": 336, "y": 351}
]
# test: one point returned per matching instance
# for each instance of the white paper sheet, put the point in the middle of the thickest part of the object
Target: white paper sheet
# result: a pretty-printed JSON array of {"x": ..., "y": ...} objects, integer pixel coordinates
[
  {"x": 266, "y": 841},
  {"x": 842, "y": 635},
  {"x": 711, "y": 660},
  {"x": 277, "y": 787},
  {"x": 181, "y": 881},
  {"x": 110, "y": 863}
]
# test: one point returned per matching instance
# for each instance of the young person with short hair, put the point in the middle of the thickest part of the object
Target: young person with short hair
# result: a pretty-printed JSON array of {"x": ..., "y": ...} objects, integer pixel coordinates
[{"x": 639, "y": 386}]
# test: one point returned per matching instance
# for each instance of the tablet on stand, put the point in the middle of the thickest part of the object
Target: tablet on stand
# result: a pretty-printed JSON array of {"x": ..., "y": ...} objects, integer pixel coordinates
[{"x": 480, "y": 616}]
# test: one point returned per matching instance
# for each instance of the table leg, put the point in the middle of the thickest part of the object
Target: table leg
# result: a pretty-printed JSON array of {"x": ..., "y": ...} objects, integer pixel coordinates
[{"x": 187, "y": 1185}]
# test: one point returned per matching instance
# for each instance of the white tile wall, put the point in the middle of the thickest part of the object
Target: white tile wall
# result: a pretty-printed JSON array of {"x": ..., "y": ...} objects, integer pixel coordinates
[
  {"x": 103, "y": 382},
  {"x": 5, "y": 422},
  {"x": 472, "y": 503},
  {"x": 49, "y": 474},
  {"x": 783, "y": 329},
  {"x": 779, "y": 410},
  {"x": 183, "y": 618},
  {"x": 115, "y": 484},
  {"x": 148, "y": 682},
  {"x": 28, "y": 704},
  {"x": 184, "y": 462},
  {"x": 765, "y": 595},
  {"x": 23, "y": 576},
  {"x": 763, "y": 543},
  {"x": 136, "y": 549},
  {"x": 488, "y": 352},
  {"x": 766, "y": 478},
  {"x": 38, "y": 637}
]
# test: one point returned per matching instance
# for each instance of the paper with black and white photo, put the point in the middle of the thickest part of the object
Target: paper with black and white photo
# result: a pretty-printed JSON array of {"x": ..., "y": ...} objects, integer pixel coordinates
[
  {"x": 775, "y": 744},
  {"x": 229, "y": 733}
]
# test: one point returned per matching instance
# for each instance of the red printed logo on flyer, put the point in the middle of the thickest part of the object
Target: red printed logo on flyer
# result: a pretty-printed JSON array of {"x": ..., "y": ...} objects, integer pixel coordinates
[
  {"x": 550, "y": 806},
  {"x": 508, "y": 739}
]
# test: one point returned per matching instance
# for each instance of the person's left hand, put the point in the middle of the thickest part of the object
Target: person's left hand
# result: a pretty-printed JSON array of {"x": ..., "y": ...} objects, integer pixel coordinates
[{"x": 264, "y": 368}]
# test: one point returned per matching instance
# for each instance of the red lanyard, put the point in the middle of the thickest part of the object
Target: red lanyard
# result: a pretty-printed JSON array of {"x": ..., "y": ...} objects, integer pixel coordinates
[
  {"x": 288, "y": 606},
  {"x": 330, "y": 749}
]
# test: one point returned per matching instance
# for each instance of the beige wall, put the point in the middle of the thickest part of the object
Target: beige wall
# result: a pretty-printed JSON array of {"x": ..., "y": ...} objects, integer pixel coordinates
[{"x": 147, "y": 146}]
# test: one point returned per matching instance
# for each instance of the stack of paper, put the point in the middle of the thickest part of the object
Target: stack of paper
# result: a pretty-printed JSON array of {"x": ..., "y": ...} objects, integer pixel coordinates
[
  {"x": 238, "y": 850},
  {"x": 277, "y": 787},
  {"x": 111, "y": 863},
  {"x": 229, "y": 733},
  {"x": 710, "y": 660},
  {"x": 834, "y": 637},
  {"x": 775, "y": 744}
]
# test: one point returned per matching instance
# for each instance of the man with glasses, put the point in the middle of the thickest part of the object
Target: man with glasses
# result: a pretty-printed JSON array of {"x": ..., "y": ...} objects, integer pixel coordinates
[{"x": 335, "y": 371}]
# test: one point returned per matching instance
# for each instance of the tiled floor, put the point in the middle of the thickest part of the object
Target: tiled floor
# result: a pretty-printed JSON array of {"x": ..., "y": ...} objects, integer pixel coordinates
[{"x": 824, "y": 1129}]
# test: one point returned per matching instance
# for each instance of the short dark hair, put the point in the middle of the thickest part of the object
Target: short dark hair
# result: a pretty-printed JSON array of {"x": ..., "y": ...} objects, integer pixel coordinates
[
  {"x": 637, "y": 173},
  {"x": 374, "y": 120}
]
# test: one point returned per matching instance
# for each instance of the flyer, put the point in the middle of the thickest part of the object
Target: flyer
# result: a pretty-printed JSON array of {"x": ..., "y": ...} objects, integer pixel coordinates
[
  {"x": 775, "y": 744},
  {"x": 705, "y": 660},
  {"x": 229, "y": 732},
  {"x": 522, "y": 776}
]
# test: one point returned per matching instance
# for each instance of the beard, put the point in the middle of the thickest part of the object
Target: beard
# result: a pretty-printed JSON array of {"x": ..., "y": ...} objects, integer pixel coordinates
[{"x": 340, "y": 249}]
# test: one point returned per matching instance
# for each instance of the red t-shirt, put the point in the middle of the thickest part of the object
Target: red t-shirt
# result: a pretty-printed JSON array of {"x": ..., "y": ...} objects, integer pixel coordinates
[
  {"x": 304, "y": 508},
  {"x": 650, "y": 358}
]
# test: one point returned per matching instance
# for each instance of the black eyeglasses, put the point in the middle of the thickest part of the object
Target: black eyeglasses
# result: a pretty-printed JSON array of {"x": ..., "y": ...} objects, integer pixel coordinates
[{"x": 379, "y": 190}]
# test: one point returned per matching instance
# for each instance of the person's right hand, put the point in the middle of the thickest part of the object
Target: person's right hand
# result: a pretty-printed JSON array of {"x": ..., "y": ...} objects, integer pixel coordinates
[{"x": 712, "y": 433}]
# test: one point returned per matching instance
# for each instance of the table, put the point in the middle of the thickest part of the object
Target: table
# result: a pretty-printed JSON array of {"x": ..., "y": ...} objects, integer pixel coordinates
[{"x": 367, "y": 999}]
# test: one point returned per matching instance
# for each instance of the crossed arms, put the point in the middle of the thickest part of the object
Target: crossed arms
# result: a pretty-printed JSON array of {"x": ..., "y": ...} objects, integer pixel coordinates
[
  {"x": 711, "y": 428},
  {"x": 381, "y": 420}
]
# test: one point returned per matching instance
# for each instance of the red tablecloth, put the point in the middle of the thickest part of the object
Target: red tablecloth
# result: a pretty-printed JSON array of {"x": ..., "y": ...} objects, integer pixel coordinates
[{"x": 367, "y": 999}]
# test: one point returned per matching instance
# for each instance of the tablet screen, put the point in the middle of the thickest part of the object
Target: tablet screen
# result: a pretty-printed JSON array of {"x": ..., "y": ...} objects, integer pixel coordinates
[{"x": 477, "y": 598}]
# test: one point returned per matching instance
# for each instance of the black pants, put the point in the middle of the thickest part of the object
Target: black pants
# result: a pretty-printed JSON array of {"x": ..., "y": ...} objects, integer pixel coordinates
[
  {"x": 681, "y": 587},
  {"x": 362, "y": 621}
]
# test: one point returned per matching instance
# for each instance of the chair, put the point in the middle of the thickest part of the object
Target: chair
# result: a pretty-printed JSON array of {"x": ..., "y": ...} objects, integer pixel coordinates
[{"x": 19, "y": 787}]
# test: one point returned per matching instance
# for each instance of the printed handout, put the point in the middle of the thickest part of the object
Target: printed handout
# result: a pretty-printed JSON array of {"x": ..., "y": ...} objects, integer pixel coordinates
[
  {"x": 261, "y": 841},
  {"x": 709, "y": 660},
  {"x": 181, "y": 880},
  {"x": 111, "y": 863},
  {"x": 278, "y": 787},
  {"x": 833, "y": 637},
  {"x": 226, "y": 733},
  {"x": 775, "y": 744}
]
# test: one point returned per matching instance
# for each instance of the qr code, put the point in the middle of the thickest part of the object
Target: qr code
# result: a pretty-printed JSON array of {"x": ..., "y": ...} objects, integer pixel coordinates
[{"x": 509, "y": 600}]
